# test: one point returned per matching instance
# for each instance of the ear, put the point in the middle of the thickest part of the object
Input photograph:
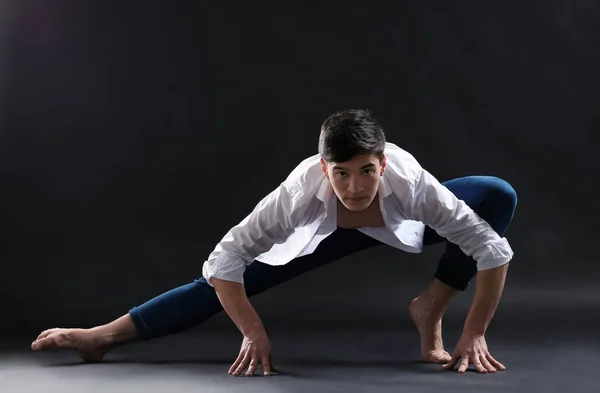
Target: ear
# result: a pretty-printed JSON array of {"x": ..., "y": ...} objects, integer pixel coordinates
[
  {"x": 383, "y": 163},
  {"x": 324, "y": 168}
]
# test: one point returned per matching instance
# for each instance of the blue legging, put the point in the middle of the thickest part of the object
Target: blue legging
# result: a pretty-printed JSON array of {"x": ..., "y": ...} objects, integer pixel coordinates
[{"x": 182, "y": 308}]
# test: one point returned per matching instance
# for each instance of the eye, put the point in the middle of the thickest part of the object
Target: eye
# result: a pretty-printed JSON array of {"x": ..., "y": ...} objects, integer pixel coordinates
[
  {"x": 341, "y": 174},
  {"x": 368, "y": 171}
]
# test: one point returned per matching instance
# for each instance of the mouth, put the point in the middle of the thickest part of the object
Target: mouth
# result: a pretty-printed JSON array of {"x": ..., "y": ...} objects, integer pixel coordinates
[{"x": 356, "y": 199}]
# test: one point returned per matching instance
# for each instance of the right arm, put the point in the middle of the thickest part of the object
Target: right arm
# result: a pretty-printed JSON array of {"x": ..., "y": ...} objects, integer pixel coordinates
[
  {"x": 272, "y": 221},
  {"x": 256, "y": 348}
]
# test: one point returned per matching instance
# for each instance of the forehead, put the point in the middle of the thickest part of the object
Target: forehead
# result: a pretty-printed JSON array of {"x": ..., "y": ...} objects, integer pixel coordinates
[{"x": 357, "y": 162}]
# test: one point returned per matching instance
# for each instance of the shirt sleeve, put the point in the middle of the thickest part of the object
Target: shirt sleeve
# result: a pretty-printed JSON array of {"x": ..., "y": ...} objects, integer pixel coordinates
[
  {"x": 436, "y": 206},
  {"x": 272, "y": 221}
]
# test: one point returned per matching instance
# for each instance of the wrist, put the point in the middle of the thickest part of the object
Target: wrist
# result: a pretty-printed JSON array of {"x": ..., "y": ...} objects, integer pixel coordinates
[
  {"x": 252, "y": 329},
  {"x": 477, "y": 320},
  {"x": 474, "y": 329}
]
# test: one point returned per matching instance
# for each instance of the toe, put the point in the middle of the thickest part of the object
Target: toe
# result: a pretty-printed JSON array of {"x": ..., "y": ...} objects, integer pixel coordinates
[
  {"x": 40, "y": 344},
  {"x": 57, "y": 339},
  {"x": 45, "y": 333}
]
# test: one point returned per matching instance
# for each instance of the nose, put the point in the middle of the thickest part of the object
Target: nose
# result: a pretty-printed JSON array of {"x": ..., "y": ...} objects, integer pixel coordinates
[{"x": 354, "y": 186}]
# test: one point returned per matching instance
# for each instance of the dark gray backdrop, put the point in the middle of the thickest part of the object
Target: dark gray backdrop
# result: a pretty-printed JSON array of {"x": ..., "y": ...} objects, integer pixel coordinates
[{"x": 132, "y": 136}]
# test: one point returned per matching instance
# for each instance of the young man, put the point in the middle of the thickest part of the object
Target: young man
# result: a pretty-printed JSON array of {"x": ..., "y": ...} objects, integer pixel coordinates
[{"x": 358, "y": 192}]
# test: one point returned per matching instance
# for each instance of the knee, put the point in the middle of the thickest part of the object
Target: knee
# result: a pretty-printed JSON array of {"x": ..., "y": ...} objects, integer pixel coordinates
[{"x": 501, "y": 194}]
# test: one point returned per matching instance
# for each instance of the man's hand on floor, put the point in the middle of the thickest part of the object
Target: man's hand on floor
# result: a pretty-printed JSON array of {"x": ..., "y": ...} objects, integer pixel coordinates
[
  {"x": 472, "y": 349},
  {"x": 255, "y": 351}
]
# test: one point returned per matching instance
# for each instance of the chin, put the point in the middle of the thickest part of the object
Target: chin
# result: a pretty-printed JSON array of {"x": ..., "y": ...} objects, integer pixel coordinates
[{"x": 356, "y": 209}]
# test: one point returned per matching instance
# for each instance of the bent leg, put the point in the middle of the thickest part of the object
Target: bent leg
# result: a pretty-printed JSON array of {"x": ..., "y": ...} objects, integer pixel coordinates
[
  {"x": 183, "y": 308},
  {"x": 495, "y": 201}
]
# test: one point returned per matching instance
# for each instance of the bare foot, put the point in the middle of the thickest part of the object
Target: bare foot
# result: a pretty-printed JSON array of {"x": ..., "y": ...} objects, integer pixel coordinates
[
  {"x": 430, "y": 331},
  {"x": 87, "y": 343}
]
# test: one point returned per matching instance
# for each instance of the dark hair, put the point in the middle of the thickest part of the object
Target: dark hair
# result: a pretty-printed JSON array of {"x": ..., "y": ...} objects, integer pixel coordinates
[{"x": 349, "y": 133}]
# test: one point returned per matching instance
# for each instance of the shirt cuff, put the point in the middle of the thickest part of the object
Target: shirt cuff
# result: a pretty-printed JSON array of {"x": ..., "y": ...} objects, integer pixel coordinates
[
  {"x": 224, "y": 267},
  {"x": 495, "y": 254}
]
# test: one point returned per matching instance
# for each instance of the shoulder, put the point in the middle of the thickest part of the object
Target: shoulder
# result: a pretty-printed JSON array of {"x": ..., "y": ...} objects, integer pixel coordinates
[
  {"x": 305, "y": 170},
  {"x": 401, "y": 165},
  {"x": 304, "y": 179}
]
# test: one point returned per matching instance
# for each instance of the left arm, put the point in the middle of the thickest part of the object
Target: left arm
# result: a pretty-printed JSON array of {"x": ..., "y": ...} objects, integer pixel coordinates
[{"x": 434, "y": 205}]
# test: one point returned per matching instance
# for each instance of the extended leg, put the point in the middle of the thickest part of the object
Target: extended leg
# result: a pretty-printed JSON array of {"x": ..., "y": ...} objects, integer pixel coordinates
[
  {"x": 494, "y": 200},
  {"x": 185, "y": 307}
]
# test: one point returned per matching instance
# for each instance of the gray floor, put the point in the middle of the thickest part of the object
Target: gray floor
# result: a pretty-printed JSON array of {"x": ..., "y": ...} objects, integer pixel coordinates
[{"x": 546, "y": 351}]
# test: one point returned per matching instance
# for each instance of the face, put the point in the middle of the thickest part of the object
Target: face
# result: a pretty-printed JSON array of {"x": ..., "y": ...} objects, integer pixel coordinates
[{"x": 355, "y": 182}]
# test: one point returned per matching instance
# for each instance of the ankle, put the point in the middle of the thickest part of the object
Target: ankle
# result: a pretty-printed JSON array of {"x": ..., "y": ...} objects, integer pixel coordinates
[
  {"x": 115, "y": 333},
  {"x": 426, "y": 312},
  {"x": 437, "y": 291},
  {"x": 100, "y": 337},
  {"x": 435, "y": 299}
]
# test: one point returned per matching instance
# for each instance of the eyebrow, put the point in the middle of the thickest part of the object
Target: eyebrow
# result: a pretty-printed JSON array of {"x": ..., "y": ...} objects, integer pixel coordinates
[{"x": 369, "y": 165}]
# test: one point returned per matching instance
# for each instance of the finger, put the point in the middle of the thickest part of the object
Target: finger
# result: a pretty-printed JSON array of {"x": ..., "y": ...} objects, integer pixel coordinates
[
  {"x": 478, "y": 366},
  {"x": 464, "y": 364},
  {"x": 236, "y": 363},
  {"x": 266, "y": 365},
  {"x": 242, "y": 366},
  {"x": 487, "y": 365},
  {"x": 495, "y": 363},
  {"x": 452, "y": 362},
  {"x": 251, "y": 368}
]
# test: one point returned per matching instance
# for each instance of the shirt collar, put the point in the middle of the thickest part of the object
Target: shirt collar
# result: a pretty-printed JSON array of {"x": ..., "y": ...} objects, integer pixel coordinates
[
  {"x": 325, "y": 190},
  {"x": 384, "y": 186}
]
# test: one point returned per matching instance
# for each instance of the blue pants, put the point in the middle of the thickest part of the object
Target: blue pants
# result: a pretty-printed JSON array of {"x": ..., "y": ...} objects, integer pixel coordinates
[{"x": 182, "y": 308}]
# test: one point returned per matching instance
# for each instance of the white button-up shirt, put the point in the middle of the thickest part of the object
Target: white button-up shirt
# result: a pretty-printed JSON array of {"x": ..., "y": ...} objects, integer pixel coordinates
[{"x": 294, "y": 218}]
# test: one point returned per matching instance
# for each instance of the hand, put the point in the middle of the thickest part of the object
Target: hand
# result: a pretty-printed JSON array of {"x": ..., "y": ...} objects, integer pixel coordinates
[
  {"x": 255, "y": 350},
  {"x": 472, "y": 349}
]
